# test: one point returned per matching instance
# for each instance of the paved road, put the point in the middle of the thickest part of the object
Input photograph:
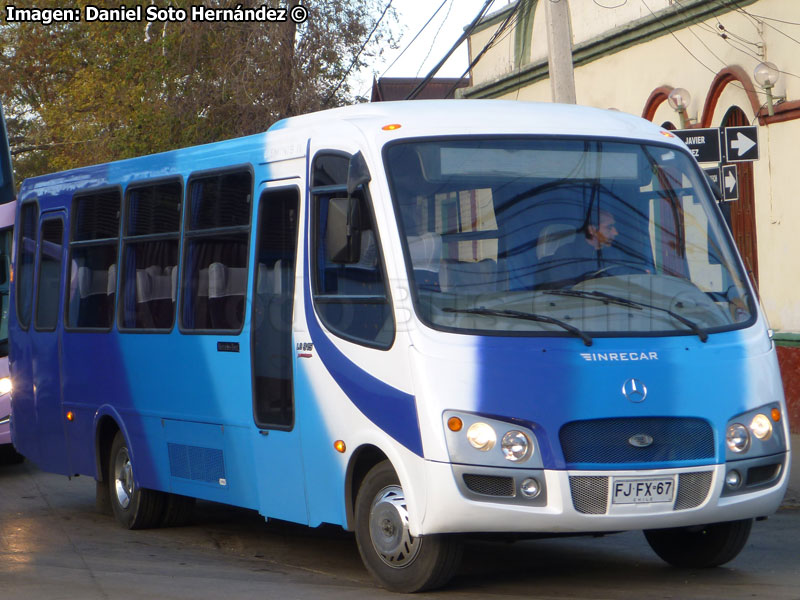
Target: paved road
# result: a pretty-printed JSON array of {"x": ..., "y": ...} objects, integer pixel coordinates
[{"x": 54, "y": 545}]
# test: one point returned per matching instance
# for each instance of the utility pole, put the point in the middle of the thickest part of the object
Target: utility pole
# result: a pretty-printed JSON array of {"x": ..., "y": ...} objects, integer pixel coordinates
[{"x": 559, "y": 51}]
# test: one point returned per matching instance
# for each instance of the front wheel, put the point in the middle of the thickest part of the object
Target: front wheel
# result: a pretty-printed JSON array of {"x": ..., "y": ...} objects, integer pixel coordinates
[
  {"x": 701, "y": 546},
  {"x": 134, "y": 507},
  {"x": 399, "y": 561}
]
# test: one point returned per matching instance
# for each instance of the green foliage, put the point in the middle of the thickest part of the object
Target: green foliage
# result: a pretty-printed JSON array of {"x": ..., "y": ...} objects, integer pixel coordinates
[{"x": 81, "y": 93}]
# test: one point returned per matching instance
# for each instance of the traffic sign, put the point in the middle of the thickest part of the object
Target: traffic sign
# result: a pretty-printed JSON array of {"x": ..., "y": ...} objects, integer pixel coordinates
[
  {"x": 704, "y": 143},
  {"x": 730, "y": 182},
  {"x": 741, "y": 143},
  {"x": 713, "y": 175}
]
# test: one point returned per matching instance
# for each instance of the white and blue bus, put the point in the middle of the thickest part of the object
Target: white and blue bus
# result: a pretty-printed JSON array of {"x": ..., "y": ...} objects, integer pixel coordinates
[
  {"x": 413, "y": 320},
  {"x": 7, "y": 212}
]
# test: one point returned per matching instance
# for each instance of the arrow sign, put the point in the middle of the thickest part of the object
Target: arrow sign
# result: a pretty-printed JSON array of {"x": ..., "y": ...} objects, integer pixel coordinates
[
  {"x": 741, "y": 143},
  {"x": 730, "y": 182}
]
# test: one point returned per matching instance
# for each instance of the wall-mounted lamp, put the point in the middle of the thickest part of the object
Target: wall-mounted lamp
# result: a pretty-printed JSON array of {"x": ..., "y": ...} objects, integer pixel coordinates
[
  {"x": 766, "y": 75},
  {"x": 679, "y": 100}
]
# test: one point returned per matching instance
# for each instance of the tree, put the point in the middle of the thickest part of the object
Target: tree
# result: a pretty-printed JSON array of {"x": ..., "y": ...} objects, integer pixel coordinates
[{"x": 79, "y": 93}]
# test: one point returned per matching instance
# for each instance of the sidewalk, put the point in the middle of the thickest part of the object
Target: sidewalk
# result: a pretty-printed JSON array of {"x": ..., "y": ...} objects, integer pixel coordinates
[{"x": 793, "y": 493}]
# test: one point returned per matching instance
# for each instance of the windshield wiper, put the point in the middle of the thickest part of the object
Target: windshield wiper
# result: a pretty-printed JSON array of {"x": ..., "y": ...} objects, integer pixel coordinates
[
  {"x": 516, "y": 314},
  {"x": 603, "y": 297}
]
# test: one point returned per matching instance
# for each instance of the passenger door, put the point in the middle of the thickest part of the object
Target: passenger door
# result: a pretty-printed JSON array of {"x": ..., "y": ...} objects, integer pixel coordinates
[
  {"x": 281, "y": 484},
  {"x": 45, "y": 335}
]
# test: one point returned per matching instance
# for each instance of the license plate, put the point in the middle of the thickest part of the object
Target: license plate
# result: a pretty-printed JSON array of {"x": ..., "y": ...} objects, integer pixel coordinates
[{"x": 642, "y": 491}]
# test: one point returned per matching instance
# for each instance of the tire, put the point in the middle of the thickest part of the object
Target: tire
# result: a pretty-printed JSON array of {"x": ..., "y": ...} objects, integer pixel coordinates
[
  {"x": 178, "y": 510},
  {"x": 703, "y": 546},
  {"x": 396, "y": 560},
  {"x": 134, "y": 507},
  {"x": 9, "y": 455}
]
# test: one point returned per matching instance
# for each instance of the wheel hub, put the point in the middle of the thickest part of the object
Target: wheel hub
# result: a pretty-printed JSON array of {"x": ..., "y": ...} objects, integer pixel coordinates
[
  {"x": 123, "y": 478},
  {"x": 388, "y": 528}
]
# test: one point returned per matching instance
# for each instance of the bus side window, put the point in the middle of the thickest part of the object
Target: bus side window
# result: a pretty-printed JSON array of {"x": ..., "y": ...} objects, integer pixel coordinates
[
  {"x": 215, "y": 251},
  {"x": 272, "y": 308},
  {"x": 150, "y": 256},
  {"x": 49, "y": 288},
  {"x": 25, "y": 262},
  {"x": 93, "y": 259},
  {"x": 352, "y": 299}
]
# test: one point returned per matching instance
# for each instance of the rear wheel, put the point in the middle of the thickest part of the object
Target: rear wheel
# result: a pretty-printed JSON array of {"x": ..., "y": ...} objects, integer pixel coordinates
[
  {"x": 397, "y": 560},
  {"x": 701, "y": 546},
  {"x": 134, "y": 507}
]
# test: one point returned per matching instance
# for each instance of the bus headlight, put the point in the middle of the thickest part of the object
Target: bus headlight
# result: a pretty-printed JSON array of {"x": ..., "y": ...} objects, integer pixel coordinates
[
  {"x": 761, "y": 427},
  {"x": 738, "y": 438},
  {"x": 481, "y": 436},
  {"x": 5, "y": 385},
  {"x": 516, "y": 446}
]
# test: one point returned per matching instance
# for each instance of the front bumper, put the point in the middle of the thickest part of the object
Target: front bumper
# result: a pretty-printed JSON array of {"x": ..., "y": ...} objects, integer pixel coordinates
[{"x": 580, "y": 501}]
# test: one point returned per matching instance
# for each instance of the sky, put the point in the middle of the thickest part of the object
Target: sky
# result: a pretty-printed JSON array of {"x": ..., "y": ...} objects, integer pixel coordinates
[{"x": 432, "y": 44}]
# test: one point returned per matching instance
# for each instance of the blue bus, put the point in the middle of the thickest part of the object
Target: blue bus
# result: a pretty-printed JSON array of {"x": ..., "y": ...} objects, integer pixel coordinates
[
  {"x": 413, "y": 320},
  {"x": 7, "y": 212}
]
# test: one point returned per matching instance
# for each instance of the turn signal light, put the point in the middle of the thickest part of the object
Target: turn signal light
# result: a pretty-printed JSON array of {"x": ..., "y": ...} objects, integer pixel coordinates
[
  {"x": 455, "y": 424},
  {"x": 391, "y": 127},
  {"x": 70, "y": 416},
  {"x": 339, "y": 446},
  {"x": 776, "y": 414}
]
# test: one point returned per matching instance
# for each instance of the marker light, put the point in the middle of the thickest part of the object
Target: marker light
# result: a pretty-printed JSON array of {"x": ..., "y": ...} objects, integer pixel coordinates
[
  {"x": 70, "y": 416},
  {"x": 455, "y": 424},
  {"x": 516, "y": 446},
  {"x": 339, "y": 446},
  {"x": 392, "y": 127},
  {"x": 776, "y": 414},
  {"x": 481, "y": 436},
  {"x": 738, "y": 438},
  {"x": 761, "y": 427},
  {"x": 5, "y": 385}
]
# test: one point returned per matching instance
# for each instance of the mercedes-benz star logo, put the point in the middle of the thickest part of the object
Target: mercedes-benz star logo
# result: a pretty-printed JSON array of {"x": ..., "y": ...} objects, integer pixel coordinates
[{"x": 634, "y": 390}]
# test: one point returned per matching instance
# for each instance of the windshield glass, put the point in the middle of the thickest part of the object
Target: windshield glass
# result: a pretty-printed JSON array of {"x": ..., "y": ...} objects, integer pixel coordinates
[{"x": 541, "y": 236}]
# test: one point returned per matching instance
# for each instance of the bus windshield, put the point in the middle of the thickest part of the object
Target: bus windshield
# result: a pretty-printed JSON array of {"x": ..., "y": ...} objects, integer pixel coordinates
[{"x": 587, "y": 237}]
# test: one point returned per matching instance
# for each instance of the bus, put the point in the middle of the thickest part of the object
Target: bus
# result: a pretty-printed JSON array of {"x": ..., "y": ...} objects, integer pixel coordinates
[
  {"x": 416, "y": 321},
  {"x": 7, "y": 212}
]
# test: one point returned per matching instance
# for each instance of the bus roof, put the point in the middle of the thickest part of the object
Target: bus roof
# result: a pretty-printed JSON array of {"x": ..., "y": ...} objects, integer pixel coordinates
[{"x": 416, "y": 118}]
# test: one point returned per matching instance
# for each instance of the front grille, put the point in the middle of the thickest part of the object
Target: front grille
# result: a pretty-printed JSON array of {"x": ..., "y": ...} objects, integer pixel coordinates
[
  {"x": 489, "y": 485},
  {"x": 692, "y": 489},
  {"x": 589, "y": 494},
  {"x": 604, "y": 441}
]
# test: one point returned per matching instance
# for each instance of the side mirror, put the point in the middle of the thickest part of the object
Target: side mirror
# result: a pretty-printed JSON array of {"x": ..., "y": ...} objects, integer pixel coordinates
[
  {"x": 343, "y": 230},
  {"x": 357, "y": 173}
]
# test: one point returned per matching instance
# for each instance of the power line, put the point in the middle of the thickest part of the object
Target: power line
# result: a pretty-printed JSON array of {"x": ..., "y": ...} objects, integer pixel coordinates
[
  {"x": 358, "y": 54},
  {"x": 414, "y": 39},
  {"x": 467, "y": 32},
  {"x": 436, "y": 35},
  {"x": 509, "y": 23}
]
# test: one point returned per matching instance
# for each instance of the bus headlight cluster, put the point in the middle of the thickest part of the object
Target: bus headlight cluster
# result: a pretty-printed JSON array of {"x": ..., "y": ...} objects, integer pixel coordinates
[
  {"x": 484, "y": 435},
  {"x": 738, "y": 436}
]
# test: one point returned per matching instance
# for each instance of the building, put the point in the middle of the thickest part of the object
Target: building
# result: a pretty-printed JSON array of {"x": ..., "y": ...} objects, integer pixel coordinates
[
  {"x": 386, "y": 89},
  {"x": 630, "y": 55}
]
